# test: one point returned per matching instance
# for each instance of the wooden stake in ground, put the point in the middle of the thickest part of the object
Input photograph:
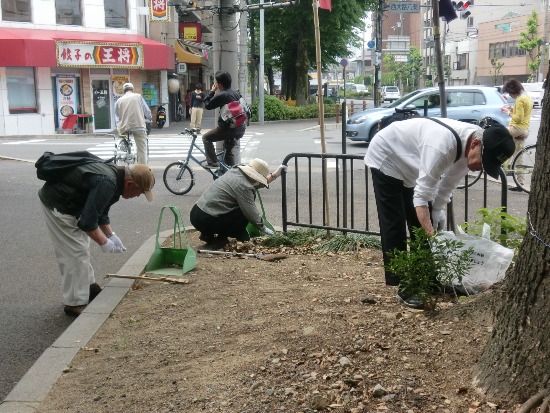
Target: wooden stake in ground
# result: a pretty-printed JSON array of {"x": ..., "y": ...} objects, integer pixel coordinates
[{"x": 144, "y": 277}]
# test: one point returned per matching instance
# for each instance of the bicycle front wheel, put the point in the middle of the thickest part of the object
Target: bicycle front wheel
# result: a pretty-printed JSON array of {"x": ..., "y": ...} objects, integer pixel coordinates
[
  {"x": 178, "y": 178},
  {"x": 471, "y": 180},
  {"x": 123, "y": 153},
  {"x": 522, "y": 167}
]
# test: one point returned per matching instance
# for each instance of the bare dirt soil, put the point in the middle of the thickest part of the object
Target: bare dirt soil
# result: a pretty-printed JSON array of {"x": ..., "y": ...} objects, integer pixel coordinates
[{"x": 312, "y": 332}]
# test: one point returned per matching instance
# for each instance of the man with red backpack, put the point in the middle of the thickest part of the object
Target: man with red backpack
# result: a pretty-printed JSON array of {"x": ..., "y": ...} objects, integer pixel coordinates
[{"x": 231, "y": 123}]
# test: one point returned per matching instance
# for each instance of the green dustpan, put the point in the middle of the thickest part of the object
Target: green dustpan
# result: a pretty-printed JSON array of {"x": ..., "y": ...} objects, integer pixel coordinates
[
  {"x": 251, "y": 229},
  {"x": 172, "y": 261}
]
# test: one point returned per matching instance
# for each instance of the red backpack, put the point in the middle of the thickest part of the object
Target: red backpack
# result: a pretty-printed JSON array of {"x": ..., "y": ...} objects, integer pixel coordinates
[{"x": 235, "y": 113}]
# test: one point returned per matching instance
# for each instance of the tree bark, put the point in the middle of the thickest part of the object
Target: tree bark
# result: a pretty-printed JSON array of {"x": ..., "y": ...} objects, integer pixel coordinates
[
  {"x": 514, "y": 363},
  {"x": 302, "y": 66}
]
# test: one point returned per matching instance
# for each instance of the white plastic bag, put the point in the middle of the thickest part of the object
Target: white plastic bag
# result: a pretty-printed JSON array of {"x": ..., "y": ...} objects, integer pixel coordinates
[{"x": 489, "y": 260}]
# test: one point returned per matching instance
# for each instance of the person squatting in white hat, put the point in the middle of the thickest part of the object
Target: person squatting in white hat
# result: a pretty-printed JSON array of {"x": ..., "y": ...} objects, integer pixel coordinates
[{"x": 228, "y": 205}]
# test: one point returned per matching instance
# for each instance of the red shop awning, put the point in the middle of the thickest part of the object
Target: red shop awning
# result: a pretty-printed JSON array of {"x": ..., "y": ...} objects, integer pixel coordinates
[{"x": 37, "y": 48}]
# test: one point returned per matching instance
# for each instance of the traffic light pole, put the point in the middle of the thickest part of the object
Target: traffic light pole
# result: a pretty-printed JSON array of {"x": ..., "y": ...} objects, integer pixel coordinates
[{"x": 439, "y": 58}]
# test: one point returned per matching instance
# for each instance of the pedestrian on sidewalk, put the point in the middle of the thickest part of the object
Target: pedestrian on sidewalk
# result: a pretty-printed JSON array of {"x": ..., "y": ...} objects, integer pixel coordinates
[
  {"x": 415, "y": 166},
  {"x": 228, "y": 204},
  {"x": 223, "y": 132},
  {"x": 521, "y": 118},
  {"x": 197, "y": 103},
  {"x": 131, "y": 115},
  {"x": 77, "y": 210}
]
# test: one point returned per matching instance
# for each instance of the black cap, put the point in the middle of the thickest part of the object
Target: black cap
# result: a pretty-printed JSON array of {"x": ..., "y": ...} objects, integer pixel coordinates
[
  {"x": 498, "y": 146},
  {"x": 198, "y": 86}
]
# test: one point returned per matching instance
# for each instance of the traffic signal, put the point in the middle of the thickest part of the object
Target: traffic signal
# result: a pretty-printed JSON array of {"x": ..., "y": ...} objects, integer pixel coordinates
[
  {"x": 464, "y": 12},
  {"x": 462, "y": 7}
]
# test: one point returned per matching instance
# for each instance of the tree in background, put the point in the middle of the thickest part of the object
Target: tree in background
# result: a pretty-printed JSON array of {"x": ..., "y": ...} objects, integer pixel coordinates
[
  {"x": 414, "y": 68},
  {"x": 407, "y": 74},
  {"x": 531, "y": 43},
  {"x": 290, "y": 40},
  {"x": 496, "y": 70}
]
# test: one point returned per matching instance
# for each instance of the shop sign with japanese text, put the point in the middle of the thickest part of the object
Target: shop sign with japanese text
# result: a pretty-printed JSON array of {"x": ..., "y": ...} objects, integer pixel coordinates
[
  {"x": 92, "y": 54},
  {"x": 405, "y": 6},
  {"x": 159, "y": 11}
]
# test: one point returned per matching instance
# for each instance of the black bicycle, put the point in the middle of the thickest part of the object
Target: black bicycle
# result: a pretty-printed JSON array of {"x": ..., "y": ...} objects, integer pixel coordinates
[
  {"x": 520, "y": 168},
  {"x": 179, "y": 178}
]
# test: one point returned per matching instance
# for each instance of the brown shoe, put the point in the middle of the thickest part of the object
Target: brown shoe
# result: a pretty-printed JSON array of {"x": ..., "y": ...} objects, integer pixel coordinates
[
  {"x": 95, "y": 289},
  {"x": 74, "y": 310}
]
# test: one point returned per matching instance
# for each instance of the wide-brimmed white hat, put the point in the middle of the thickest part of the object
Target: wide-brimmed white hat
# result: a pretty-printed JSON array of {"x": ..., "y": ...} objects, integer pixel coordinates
[{"x": 257, "y": 170}]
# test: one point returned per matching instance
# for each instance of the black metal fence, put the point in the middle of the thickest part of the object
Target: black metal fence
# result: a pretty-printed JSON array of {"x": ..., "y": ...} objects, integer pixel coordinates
[{"x": 342, "y": 182}]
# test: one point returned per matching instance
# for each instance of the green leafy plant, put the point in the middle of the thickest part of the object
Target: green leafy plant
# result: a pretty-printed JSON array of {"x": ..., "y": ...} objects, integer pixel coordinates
[
  {"x": 506, "y": 229},
  {"x": 428, "y": 265}
]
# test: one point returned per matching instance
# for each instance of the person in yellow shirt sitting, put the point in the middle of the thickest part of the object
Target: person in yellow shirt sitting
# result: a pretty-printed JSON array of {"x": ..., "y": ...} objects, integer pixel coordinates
[{"x": 521, "y": 117}]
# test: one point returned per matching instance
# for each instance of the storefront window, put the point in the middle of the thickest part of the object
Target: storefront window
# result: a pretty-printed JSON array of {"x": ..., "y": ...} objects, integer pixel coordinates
[
  {"x": 21, "y": 90},
  {"x": 16, "y": 10},
  {"x": 68, "y": 12},
  {"x": 116, "y": 13}
]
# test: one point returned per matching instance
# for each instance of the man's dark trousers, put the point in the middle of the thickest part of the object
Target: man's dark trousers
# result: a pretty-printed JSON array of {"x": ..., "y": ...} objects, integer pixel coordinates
[
  {"x": 229, "y": 137},
  {"x": 396, "y": 213}
]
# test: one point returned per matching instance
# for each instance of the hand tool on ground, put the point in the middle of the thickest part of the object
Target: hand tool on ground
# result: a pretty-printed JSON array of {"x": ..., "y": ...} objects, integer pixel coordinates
[
  {"x": 263, "y": 257},
  {"x": 145, "y": 278}
]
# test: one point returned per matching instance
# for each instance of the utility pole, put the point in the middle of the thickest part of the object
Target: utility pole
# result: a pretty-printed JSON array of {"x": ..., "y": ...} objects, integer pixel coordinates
[
  {"x": 243, "y": 50},
  {"x": 261, "y": 69},
  {"x": 378, "y": 52},
  {"x": 225, "y": 30}
]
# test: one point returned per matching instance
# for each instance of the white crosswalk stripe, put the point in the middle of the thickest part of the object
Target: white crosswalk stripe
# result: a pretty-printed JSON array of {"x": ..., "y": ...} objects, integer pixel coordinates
[{"x": 162, "y": 147}]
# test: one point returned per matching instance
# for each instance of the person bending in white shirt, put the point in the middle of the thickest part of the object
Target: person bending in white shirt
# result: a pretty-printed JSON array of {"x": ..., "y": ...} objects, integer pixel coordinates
[{"x": 415, "y": 166}]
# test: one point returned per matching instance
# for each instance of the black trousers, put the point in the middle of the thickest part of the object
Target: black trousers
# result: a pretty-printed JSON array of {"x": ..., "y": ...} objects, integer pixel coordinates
[
  {"x": 232, "y": 224},
  {"x": 229, "y": 137},
  {"x": 396, "y": 214}
]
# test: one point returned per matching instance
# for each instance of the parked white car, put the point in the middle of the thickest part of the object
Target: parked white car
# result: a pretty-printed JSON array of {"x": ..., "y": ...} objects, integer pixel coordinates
[
  {"x": 390, "y": 93},
  {"x": 535, "y": 91}
]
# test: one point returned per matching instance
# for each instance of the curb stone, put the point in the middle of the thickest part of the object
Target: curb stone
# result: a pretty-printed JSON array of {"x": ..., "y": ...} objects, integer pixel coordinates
[{"x": 35, "y": 385}]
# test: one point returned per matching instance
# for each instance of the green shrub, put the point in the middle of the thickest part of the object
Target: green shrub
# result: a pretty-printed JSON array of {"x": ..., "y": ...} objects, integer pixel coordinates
[
  {"x": 276, "y": 109},
  {"x": 428, "y": 265},
  {"x": 506, "y": 229}
]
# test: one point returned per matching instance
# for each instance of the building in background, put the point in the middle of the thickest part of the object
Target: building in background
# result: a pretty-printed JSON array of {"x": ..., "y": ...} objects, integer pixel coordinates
[
  {"x": 481, "y": 31},
  {"x": 73, "y": 59}
]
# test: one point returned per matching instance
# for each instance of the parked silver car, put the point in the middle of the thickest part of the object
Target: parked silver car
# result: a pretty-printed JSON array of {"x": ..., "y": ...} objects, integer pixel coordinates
[{"x": 464, "y": 103}]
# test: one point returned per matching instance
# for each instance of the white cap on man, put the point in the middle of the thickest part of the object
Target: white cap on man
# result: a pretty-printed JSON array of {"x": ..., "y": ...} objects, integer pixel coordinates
[{"x": 127, "y": 86}]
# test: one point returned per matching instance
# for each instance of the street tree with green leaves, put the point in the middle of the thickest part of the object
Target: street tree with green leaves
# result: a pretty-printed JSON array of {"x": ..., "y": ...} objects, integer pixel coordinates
[
  {"x": 290, "y": 40},
  {"x": 405, "y": 74},
  {"x": 496, "y": 70},
  {"x": 532, "y": 44}
]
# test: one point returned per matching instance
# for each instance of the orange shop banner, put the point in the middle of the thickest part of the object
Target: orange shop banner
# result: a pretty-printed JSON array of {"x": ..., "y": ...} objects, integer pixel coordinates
[
  {"x": 159, "y": 11},
  {"x": 92, "y": 54}
]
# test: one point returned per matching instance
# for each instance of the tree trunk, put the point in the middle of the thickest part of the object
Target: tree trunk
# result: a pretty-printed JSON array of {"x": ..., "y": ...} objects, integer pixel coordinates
[
  {"x": 301, "y": 68},
  {"x": 514, "y": 363}
]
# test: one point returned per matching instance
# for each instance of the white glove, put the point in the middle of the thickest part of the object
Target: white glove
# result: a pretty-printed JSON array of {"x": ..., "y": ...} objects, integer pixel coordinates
[
  {"x": 267, "y": 230},
  {"x": 110, "y": 247},
  {"x": 118, "y": 243},
  {"x": 439, "y": 220},
  {"x": 279, "y": 171}
]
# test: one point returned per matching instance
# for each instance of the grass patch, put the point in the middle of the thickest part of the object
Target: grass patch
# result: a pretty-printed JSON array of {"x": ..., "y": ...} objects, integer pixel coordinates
[{"x": 321, "y": 240}]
